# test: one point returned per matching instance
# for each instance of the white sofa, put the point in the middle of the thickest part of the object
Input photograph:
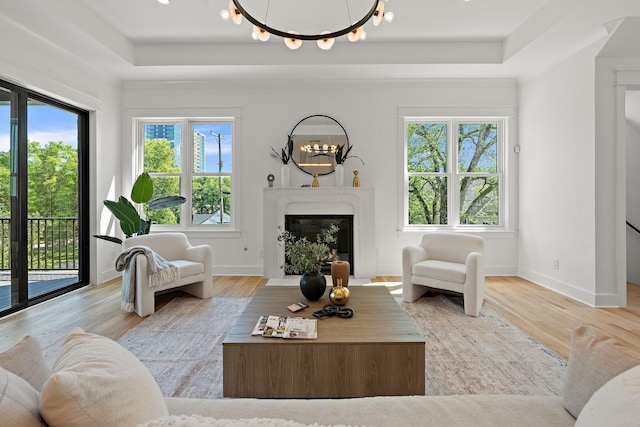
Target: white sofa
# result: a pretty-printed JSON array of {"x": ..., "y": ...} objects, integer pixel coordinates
[{"x": 96, "y": 382}]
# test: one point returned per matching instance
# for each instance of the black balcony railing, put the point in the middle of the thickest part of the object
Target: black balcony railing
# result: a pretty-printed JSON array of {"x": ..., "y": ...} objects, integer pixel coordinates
[{"x": 53, "y": 243}]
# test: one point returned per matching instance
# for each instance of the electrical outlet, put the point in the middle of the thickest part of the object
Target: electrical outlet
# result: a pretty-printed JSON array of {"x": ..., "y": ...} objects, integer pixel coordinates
[{"x": 556, "y": 264}]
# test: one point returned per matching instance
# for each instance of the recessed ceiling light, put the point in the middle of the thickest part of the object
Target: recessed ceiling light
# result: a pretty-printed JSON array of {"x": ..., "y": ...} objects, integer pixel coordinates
[{"x": 163, "y": 1}]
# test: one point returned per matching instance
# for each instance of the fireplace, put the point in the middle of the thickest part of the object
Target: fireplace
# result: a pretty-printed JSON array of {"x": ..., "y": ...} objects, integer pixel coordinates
[
  {"x": 356, "y": 202},
  {"x": 310, "y": 226}
]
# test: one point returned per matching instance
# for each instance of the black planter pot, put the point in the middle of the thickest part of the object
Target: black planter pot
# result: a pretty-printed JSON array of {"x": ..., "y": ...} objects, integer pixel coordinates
[{"x": 313, "y": 285}]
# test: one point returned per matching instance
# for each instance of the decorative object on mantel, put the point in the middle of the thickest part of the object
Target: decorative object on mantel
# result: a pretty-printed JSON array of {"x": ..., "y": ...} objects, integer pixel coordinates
[
  {"x": 270, "y": 179},
  {"x": 285, "y": 156},
  {"x": 339, "y": 294},
  {"x": 339, "y": 171},
  {"x": 315, "y": 182},
  {"x": 306, "y": 258},
  {"x": 356, "y": 179},
  {"x": 341, "y": 157},
  {"x": 288, "y": 15},
  {"x": 285, "y": 175},
  {"x": 340, "y": 272}
]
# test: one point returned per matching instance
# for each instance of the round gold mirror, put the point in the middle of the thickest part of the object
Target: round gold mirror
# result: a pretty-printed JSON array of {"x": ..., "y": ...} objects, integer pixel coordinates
[{"x": 315, "y": 141}]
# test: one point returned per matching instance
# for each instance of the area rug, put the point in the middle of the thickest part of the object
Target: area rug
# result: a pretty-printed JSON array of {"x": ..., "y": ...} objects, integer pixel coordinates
[
  {"x": 181, "y": 344},
  {"x": 481, "y": 355}
]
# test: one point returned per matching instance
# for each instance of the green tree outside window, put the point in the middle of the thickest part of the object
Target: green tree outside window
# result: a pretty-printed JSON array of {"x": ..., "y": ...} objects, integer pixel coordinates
[{"x": 435, "y": 165}]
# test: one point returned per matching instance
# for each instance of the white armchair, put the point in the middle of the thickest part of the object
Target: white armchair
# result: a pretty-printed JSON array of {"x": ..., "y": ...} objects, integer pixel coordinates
[
  {"x": 194, "y": 265},
  {"x": 449, "y": 261}
]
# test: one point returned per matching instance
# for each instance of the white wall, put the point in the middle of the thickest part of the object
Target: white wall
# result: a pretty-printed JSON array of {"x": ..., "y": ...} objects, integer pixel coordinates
[
  {"x": 557, "y": 175},
  {"x": 35, "y": 64},
  {"x": 369, "y": 113}
]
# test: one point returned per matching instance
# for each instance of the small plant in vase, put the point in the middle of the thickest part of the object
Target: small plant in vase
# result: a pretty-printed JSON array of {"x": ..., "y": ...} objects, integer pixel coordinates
[
  {"x": 307, "y": 258},
  {"x": 286, "y": 152},
  {"x": 341, "y": 157},
  {"x": 285, "y": 156}
]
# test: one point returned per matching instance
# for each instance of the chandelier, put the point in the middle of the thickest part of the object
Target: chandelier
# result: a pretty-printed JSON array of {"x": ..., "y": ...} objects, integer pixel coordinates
[{"x": 323, "y": 20}]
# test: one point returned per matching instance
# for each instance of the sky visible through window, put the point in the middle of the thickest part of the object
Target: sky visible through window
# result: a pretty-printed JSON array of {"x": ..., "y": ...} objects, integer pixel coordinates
[
  {"x": 210, "y": 131},
  {"x": 45, "y": 124}
]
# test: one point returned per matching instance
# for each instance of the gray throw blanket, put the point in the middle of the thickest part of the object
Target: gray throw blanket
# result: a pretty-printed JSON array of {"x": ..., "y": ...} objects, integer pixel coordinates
[{"x": 160, "y": 271}]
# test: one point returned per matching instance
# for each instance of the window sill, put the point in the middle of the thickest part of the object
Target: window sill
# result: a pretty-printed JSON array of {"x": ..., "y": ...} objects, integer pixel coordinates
[
  {"x": 489, "y": 234},
  {"x": 196, "y": 232}
]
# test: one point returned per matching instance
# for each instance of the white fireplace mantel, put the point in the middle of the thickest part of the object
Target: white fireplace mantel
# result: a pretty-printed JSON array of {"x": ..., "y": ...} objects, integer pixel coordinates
[{"x": 358, "y": 201}]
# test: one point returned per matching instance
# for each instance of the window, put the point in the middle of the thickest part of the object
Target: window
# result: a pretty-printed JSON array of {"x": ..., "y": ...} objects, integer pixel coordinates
[
  {"x": 454, "y": 172},
  {"x": 191, "y": 158},
  {"x": 44, "y": 199}
]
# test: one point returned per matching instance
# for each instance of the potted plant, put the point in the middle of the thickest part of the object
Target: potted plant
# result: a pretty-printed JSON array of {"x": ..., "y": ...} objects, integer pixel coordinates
[
  {"x": 307, "y": 258},
  {"x": 341, "y": 157},
  {"x": 286, "y": 152},
  {"x": 131, "y": 223},
  {"x": 285, "y": 156}
]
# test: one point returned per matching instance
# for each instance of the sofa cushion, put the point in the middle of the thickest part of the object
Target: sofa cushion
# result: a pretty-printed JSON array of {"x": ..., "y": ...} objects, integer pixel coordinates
[
  {"x": 19, "y": 402},
  {"x": 441, "y": 270},
  {"x": 615, "y": 404},
  {"x": 594, "y": 359},
  {"x": 188, "y": 268},
  {"x": 97, "y": 382},
  {"x": 200, "y": 421},
  {"x": 433, "y": 411},
  {"x": 25, "y": 359}
]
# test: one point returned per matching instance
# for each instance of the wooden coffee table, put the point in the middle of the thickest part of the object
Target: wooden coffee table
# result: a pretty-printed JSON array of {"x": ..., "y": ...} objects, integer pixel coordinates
[{"x": 378, "y": 352}]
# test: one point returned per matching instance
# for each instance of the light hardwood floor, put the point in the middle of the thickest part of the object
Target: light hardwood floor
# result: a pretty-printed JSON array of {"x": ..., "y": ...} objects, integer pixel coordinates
[{"x": 541, "y": 313}]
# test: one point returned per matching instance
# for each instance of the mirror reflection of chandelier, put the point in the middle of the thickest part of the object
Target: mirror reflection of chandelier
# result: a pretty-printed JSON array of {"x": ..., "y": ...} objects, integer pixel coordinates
[
  {"x": 316, "y": 148},
  {"x": 317, "y": 20}
]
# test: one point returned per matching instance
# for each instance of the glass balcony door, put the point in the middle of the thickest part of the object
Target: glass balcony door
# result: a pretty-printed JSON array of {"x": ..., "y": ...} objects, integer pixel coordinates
[
  {"x": 42, "y": 173},
  {"x": 52, "y": 203}
]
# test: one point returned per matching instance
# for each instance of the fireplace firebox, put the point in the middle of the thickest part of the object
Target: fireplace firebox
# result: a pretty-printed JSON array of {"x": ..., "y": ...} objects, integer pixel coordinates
[{"x": 310, "y": 226}]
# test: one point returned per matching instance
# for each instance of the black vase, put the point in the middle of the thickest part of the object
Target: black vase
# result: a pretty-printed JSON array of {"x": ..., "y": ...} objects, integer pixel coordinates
[{"x": 313, "y": 285}]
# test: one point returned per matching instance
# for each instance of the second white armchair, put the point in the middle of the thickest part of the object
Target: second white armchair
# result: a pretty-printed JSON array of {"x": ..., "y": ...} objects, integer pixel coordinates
[{"x": 448, "y": 261}]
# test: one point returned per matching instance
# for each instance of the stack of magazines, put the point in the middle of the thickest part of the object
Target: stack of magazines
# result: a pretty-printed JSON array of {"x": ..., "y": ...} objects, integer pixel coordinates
[{"x": 286, "y": 327}]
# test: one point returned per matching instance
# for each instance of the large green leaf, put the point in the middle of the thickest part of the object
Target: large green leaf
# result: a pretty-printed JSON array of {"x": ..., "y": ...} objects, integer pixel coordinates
[
  {"x": 126, "y": 214},
  {"x": 142, "y": 190},
  {"x": 166, "y": 202}
]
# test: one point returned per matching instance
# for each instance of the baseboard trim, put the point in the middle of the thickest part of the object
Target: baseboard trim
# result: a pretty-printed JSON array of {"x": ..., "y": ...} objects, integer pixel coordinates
[{"x": 560, "y": 287}]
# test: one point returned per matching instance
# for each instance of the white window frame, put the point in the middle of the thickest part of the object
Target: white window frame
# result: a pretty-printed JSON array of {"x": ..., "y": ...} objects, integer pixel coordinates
[
  {"x": 453, "y": 176},
  {"x": 187, "y": 170}
]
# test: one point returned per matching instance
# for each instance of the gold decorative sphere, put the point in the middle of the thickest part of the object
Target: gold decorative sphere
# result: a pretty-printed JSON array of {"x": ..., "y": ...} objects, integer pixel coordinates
[{"x": 339, "y": 295}]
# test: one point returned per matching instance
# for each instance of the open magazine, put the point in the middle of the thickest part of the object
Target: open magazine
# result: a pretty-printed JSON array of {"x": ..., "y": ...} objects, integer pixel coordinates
[
  {"x": 286, "y": 327},
  {"x": 301, "y": 328}
]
